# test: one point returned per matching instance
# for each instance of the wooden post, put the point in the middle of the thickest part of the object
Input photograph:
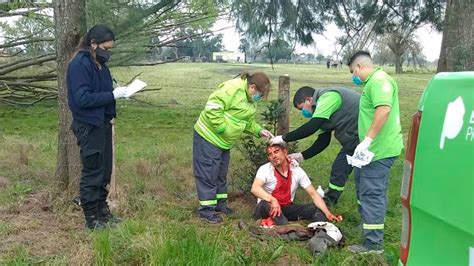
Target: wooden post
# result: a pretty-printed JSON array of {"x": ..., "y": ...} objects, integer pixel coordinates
[
  {"x": 284, "y": 93},
  {"x": 113, "y": 180}
]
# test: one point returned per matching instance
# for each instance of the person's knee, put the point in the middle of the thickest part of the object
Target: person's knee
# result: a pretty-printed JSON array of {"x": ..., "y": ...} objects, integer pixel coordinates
[
  {"x": 317, "y": 215},
  {"x": 262, "y": 210}
]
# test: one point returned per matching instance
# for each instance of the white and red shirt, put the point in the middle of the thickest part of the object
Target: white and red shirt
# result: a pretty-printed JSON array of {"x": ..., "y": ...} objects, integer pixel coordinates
[{"x": 283, "y": 189}]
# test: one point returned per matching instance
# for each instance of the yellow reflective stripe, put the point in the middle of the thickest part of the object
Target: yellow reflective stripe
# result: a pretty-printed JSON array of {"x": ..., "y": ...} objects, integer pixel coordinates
[
  {"x": 211, "y": 105},
  {"x": 211, "y": 134},
  {"x": 222, "y": 196},
  {"x": 372, "y": 226},
  {"x": 332, "y": 186},
  {"x": 235, "y": 119},
  {"x": 208, "y": 202}
]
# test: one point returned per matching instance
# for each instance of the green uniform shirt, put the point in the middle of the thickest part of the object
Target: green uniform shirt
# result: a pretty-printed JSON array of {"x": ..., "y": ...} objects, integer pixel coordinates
[
  {"x": 327, "y": 105},
  {"x": 381, "y": 89}
]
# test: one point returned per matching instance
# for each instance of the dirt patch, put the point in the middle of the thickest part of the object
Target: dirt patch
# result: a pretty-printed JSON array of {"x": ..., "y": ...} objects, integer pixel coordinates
[
  {"x": 4, "y": 182},
  {"x": 34, "y": 225}
]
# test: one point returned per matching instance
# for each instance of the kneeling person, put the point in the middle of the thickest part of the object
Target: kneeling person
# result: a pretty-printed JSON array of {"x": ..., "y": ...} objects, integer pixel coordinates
[{"x": 275, "y": 186}]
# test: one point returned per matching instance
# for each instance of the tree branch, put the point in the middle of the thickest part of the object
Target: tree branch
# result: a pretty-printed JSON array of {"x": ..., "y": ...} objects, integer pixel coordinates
[
  {"x": 32, "y": 62},
  {"x": 13, "y": 44}
]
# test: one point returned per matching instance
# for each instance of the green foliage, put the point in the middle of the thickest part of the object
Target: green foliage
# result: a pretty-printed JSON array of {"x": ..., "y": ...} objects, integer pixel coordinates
[
  {"x": 273, "y": 114},
  {"x": 279, "y": 49},
  {"x": 34, "y": 26},
  {"x": 200, "y": 48}
]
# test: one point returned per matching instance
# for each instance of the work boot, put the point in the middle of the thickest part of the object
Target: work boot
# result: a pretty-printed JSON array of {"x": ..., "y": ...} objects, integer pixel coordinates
[
  {"x": 225, "y": 210},
  {"x": 212, "y": 218},
  {"x": 106, "y": 216},
  {"x": 93, "y": 221}
]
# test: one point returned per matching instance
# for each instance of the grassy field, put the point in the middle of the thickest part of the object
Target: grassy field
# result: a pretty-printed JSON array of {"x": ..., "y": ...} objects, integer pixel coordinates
[{"x": 157, "y": 196}]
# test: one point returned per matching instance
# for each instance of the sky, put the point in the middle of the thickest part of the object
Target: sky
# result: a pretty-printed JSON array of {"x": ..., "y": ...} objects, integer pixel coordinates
[{"x": 429, "y": 38}]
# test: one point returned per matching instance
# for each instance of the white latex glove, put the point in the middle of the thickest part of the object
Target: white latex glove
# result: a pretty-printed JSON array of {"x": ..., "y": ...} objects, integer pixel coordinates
[
  {"x": 120, "y": 92},
  {"x": 266, "y": 134},
  {"x": 277, "y": 140},
  {"x": 363, "y": 146},
  {"x": 296, "y": 156}
]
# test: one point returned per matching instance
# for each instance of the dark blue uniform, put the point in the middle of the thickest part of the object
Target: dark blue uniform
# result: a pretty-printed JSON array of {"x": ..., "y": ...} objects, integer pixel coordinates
[{"x": 92, "y": 104}]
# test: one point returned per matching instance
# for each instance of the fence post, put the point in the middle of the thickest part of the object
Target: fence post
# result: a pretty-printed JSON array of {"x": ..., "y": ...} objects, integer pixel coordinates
[{"x": 284, "y": 93}]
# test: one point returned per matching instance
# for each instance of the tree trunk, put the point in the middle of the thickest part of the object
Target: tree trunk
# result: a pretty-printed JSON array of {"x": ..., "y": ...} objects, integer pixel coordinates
[
  {"x": 70, "y": 25},
  {"x": 284, "y": 93},
  {"x": 398, "y": 64},
  {"x": 457, "y": 47}
]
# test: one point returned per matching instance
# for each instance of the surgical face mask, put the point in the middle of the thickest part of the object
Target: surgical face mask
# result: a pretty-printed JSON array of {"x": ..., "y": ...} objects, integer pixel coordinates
[
  {"x": 257, "y": 97},
  {"x": 357, "y": 80},
  {"x": 102, "y": 55},
  {"x": 306, "y": 113}
]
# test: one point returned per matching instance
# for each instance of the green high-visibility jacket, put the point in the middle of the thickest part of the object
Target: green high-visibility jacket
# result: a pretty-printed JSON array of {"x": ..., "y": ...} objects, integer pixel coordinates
[{"x": 229, "y": 112}]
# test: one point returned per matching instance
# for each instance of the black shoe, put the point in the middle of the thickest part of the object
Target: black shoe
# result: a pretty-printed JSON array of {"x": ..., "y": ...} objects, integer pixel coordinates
[
  {"x": 106, "y": 216},
  {"x": 226, "y": 210},
  {"x": 213, "y": 218},
  {"x": 93, "y": 221}
]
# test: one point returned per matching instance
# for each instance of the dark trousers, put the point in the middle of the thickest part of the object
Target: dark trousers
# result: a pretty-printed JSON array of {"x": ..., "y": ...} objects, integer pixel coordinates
[
  {"x": 339, "y": 173},
  {"x": 292, "y": 212},
  {"x": 210, "y": 171},
  {"x": 96, "y": 157},
  {"x": 371, "y": 188}
]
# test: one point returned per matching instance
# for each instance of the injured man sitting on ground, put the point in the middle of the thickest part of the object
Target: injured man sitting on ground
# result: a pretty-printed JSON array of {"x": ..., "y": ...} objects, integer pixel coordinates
[{"x": 275, "y": 187}]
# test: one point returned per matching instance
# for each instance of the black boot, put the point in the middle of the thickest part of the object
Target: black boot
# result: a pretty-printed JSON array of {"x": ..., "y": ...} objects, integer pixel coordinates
[
  {"x": 106, "y": 216},
  {"x": 331, "y": 197},
  {"x": 91, "y": 215}
]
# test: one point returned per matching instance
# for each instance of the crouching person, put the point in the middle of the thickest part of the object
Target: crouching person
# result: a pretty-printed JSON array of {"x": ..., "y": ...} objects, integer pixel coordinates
[{"x": 275, "y": 187}]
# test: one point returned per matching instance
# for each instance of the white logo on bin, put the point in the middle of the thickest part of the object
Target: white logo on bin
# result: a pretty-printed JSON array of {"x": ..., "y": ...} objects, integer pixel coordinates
[{"x": 453, "y": 121}]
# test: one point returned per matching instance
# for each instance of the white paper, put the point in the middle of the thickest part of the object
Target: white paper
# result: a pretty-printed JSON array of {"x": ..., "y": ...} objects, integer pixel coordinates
[
  {"x": 360, "y": 159},
  {"x": 134, "y": 87}
]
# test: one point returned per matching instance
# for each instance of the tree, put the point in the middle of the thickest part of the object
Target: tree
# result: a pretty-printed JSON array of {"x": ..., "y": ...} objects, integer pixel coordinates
[
  {"x": 244, "y": 47},
  {"x": 70, "y": 26},
  {"x": 279, "y": 49},
  {"x": 292, "y": 21},
  {"x": 199, "y": 48},
  {"x": 142, "y": 31},
  {"x": 320, "y": 58},
  {"x": 362, "y": 21},
  {"x": 457, "y": 47}
]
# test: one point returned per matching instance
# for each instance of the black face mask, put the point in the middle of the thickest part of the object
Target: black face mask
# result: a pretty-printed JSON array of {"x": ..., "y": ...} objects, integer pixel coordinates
[{"x": 102, "y": 55}]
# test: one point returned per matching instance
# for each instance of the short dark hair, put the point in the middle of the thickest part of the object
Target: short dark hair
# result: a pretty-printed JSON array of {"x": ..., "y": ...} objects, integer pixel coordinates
[
  {"x": 301, "y": 94},
  {"x": 356, "y": 55}
]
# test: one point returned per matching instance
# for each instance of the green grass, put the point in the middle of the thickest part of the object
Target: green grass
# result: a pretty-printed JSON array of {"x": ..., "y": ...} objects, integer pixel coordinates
[{"x": 155, "y": 178}]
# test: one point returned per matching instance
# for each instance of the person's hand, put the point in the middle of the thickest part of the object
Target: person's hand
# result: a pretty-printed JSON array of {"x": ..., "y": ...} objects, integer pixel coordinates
[
  {"x": 275, "y": 208},
  {"x": 296, "y": 156},
  {"x": 363, "y": 146},
  {"x": 333, "y": 218},
  {"x": 266, "y": 134},
  {"x": 277, "y": 140},
  {"x": 120, "y": 92}
]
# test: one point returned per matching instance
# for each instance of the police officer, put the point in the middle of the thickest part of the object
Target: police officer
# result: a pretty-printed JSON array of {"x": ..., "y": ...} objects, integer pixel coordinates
[
  {"x": 91, "y": 99},
  {"x": 329, "y": 110}
]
